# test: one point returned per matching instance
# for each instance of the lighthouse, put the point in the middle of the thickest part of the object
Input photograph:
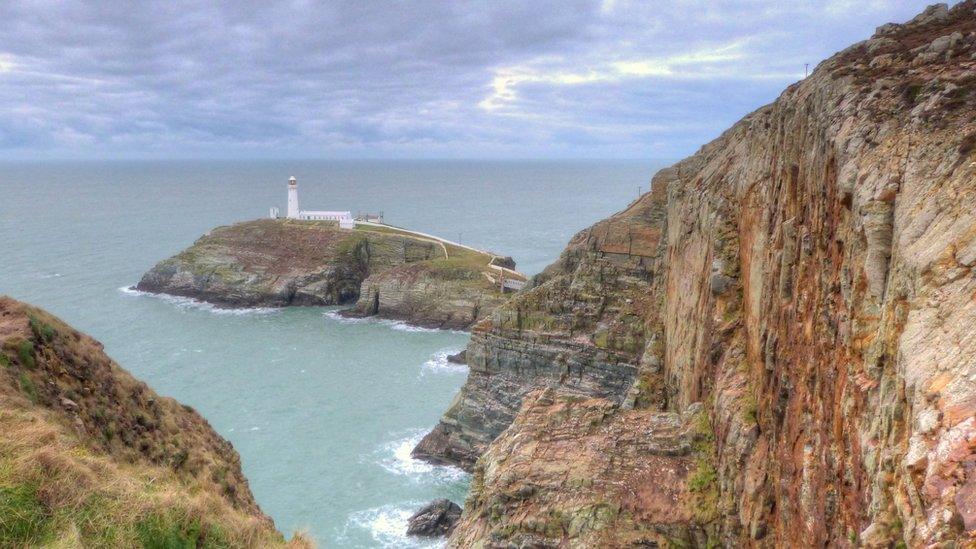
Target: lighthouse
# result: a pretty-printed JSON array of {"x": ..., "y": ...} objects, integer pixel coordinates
[
  {"x": 344, "y": 219},
  {"x": 293, "y": 211}
]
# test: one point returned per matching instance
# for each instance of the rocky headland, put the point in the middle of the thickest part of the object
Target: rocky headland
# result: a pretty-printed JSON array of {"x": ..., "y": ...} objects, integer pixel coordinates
[
  {"x": 772, "y": 348},
  {"x": 381, "y": 271},
  {"x": 91, "y": 457}
]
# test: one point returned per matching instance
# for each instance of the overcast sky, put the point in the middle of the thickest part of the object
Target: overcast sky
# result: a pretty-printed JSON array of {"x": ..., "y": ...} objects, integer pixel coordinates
[{"x": 370, "y": 79}]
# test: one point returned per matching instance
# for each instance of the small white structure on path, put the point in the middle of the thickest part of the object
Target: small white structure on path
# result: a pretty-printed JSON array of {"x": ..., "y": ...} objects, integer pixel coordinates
[{"x": 344, "y": 219}]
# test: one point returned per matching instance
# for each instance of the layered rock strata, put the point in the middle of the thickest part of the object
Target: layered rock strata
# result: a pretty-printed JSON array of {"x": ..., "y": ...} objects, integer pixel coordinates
[
  {"x": 383, "y": 272},
  {"x": 807, "y": 279},
  {"x": 580, "y": 327}
]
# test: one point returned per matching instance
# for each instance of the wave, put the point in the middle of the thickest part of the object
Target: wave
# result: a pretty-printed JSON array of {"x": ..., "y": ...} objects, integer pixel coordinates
[
  {"x": 438, "y": 363},
  {"x": 394, "y": 456},
  {"x": 387, "y": 526},
  {"x": 398, "y": 325},
  {"x": 191, "y": 303}
]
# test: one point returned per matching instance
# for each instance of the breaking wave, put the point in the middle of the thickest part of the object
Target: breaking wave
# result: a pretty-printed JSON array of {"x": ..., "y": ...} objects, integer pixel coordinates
[
  {"x": 394, "y": 456},
  {"x": 191, "y": 303},
  {"x": 398, "y": 325},
  {"x": 438, "y": 363}
]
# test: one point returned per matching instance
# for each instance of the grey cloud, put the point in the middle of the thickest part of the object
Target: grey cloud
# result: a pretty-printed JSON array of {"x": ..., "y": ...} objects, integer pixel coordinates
[{"x": 399, "y": 78}]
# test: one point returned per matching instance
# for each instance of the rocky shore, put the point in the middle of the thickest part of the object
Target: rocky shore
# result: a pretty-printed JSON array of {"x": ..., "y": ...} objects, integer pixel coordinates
[
  {"x": 380, "y": 271},
  {"x": 773, "y": 348}
]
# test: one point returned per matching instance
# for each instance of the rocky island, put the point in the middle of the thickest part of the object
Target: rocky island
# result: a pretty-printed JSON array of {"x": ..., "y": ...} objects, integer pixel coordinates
[
  {"x": 379, "y": 269},
  {"x": 91, "y": 457},
  {"x": 772, "y": 348}
]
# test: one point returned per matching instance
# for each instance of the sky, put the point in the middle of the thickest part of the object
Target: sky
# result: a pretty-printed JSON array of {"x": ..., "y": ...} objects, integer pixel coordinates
[{"x": 566, "y": 79}]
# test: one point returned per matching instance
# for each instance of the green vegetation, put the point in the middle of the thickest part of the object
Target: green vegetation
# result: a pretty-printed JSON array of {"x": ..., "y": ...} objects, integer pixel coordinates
[
  {"x": 703, "y": 477},
  {"x": 350, "y": 245},
  {"x": 25, "y": 353},
  {"x": 750, "y": 408},
  {"x": 912, "y": 91},
  {"x": 703, "y": 480},
  {"x": 172, "y": 531},
  {"x": 5, "y": 360},
  {"x": 27, "y": 386},
  {"x": 42, "y": 330},
  {"x": 24, "y": 521},
  {"x": 458, "y": 268}
]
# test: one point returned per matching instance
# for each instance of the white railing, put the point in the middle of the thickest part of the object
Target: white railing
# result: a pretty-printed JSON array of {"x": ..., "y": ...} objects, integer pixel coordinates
[
  {"x": 513, "y": 284},
  {"x": 425, "y": 235}
]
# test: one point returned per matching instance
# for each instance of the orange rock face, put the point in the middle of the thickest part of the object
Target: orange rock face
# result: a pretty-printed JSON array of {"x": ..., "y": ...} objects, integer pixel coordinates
[
  {"x": 576, "y": 469},
  {"x": 810, "y": 285}
]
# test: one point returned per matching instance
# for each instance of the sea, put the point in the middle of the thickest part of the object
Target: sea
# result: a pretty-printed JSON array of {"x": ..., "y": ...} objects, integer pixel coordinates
[{"x": 323, "y": 410}]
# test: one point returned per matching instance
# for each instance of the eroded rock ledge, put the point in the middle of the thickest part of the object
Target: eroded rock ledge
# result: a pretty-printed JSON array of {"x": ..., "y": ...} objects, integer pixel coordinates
[
  {"x": 383, "y": 272},
  {"x": 807, "y": 279},
  {"x": 573, "y": 468}
]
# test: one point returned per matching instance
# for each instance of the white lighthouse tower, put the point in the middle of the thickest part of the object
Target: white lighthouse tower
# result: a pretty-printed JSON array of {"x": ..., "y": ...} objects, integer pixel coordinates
[{"x": 293, "y": 211}]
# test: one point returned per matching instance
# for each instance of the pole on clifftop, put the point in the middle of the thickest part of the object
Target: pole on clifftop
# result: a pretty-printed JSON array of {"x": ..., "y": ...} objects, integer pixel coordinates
[{"x": 806, "y": 70}]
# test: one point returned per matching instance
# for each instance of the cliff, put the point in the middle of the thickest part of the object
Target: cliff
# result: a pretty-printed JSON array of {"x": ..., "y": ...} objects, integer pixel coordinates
[
  {"x": 579, "y": 327},
  {"x": 90, "y": 456},
  {"x": 383, "y": 271},
  {"x": 802, "y": 287}
]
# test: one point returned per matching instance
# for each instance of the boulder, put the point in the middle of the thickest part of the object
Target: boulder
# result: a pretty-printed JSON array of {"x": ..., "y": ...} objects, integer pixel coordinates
[{"x": 436, "y": 519}]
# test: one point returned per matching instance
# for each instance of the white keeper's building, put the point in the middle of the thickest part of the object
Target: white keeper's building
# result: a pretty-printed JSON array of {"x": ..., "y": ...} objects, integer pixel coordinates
[{"x": 344, "y": 219}]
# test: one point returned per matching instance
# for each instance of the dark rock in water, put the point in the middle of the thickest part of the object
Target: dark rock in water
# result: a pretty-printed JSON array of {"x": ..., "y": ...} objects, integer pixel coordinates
[
  {"x": 460, "y": 358},
  {"x": 435, "y": 519}
]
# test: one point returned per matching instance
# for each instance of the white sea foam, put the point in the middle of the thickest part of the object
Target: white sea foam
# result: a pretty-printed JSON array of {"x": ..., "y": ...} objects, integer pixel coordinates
[
  {"x": 439, "y": 364},
  {"x": 398, "y": 325},
  {"x": 387, "y": 526},
  {"x": 394, "y": 456},
  {"x": 190, "y": 303}
]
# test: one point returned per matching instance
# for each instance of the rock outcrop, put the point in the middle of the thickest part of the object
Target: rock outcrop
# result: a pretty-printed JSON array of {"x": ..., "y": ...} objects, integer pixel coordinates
[
  {"x": 91, "y": 457},
  {"x": 580, "y": 328},
  {"x": 434, "y": 520},
  {"x": 589, "y": 474},
  {"x": 803, "y": 286},
  {"x": 384, "y": 272}
]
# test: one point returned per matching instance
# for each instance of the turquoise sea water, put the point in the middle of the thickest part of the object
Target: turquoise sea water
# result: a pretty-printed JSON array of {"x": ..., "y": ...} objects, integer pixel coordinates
[{"x": 324, "y": 412}]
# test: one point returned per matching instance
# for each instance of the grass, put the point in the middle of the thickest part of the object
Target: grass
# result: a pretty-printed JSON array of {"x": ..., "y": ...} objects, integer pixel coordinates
[
  {"x": 55, "y": 491},
  {"x": 25, "y": 353},
  {"x": 172, "y": 531},
  {"x": 453, "y": 252},
  {"x": 65, "y": 487},
  {"x": 24, "y": 521},
  {"x": 42, "y": 330},
  {"x": 27, "y": 386}
]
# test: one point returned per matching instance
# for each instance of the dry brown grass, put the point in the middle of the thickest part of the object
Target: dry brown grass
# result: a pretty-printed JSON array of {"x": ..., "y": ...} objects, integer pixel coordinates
[{"x": 63, "y": 484}]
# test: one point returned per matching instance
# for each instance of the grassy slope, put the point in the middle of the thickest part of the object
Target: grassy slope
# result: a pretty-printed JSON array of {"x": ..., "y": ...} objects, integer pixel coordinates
[{"x": 90, "y": 457}]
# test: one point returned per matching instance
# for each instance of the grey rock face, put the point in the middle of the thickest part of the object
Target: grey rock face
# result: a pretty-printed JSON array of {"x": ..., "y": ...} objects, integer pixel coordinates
[{"x": 578, "y": 329}]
